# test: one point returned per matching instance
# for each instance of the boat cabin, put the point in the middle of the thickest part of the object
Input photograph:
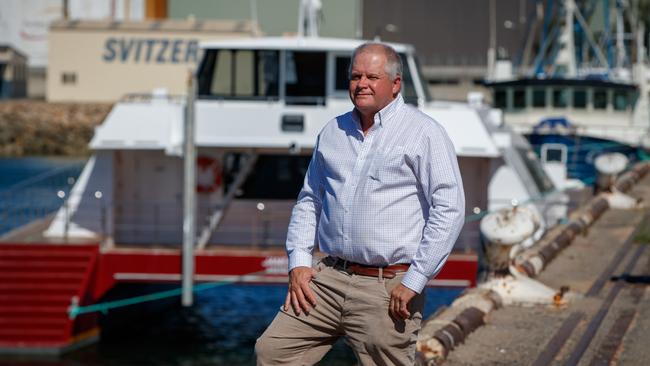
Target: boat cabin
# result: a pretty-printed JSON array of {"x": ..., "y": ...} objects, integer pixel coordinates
[
  {"x": 593, "y": 106},
  {"x": 277, "y": 93},
  {"x": 260, "y": 104},
  {"x": 300, "y": 76}
]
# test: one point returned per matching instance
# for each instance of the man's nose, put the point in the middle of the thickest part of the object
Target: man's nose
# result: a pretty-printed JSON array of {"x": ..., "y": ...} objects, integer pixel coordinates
[{"x": 363, "y": 81}]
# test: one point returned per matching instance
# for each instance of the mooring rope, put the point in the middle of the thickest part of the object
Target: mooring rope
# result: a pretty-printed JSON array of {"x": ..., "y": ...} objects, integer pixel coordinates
[{"x": 104, "y": 307}]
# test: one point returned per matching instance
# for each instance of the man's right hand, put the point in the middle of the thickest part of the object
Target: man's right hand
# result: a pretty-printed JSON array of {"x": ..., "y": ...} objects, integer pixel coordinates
[{"x": 300, "y": 295}]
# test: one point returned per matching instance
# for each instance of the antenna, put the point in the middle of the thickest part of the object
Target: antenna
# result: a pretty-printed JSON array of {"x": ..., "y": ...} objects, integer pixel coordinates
[{"x": 308, "y": 17}]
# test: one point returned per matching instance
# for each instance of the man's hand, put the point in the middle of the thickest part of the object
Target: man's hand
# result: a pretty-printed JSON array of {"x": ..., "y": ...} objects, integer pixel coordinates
[
  {"x": 300, "y": 295},
  {"x": 399, "y": 301}
]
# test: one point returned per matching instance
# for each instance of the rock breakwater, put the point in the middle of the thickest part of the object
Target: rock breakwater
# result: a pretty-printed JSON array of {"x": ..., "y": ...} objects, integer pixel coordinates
[{"x": 38, "y": 128}]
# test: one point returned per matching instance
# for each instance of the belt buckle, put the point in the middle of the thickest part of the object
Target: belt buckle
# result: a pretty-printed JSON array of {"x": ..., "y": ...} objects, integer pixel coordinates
[
  {"x": 342, "y": 264},
  {"x": 336, "y": 263}
]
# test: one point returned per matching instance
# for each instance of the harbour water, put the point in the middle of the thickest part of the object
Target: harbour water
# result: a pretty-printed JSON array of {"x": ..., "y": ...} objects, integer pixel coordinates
[
  {"x": 220, "y": 329},
  {"x": 31, "y": 188}
]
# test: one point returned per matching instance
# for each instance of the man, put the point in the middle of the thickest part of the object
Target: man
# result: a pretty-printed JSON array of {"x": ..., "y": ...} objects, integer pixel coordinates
[{"x": 383, "y": 199}]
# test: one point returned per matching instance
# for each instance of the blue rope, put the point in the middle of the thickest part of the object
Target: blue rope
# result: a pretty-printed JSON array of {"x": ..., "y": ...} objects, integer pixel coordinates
[{"x": 103, "y": 307}]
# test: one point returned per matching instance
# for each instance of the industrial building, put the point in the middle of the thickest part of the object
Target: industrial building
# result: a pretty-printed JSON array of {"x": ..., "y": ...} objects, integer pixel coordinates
[
  {"x": 452, "y": 37},
  {"x": 13, "y": 72},
  {"x": 95, "y": 61}
]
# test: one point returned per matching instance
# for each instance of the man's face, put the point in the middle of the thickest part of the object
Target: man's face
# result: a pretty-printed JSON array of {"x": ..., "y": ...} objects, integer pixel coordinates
[{"x": 370, "y": 86}]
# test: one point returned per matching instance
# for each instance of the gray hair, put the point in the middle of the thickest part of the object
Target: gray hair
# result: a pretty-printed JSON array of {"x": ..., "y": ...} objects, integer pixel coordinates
[{"x": 393, "y": 60}]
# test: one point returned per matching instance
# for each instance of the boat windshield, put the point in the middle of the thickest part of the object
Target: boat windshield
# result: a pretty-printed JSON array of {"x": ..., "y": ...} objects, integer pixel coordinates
[
  {"x": 425, "y": 87},
  {"x": 255, "y": 74},
  {"x": 305, "y": 77},
  {"x": 239, "y": 74},
  {"x": 408, "y": 89},
  {"x": 534, "y": 167}
]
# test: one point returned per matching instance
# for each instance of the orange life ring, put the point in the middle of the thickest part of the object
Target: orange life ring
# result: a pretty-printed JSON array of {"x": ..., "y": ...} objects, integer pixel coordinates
[{"x": 210, "y": 167}]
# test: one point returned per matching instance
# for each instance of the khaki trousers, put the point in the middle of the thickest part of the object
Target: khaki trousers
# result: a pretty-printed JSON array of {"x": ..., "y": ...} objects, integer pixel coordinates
[{"x": 350, "y": 306}]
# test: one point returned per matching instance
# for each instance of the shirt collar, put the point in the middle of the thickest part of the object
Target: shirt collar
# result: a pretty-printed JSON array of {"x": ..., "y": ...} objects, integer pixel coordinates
[{"x": 383, "y": 115}]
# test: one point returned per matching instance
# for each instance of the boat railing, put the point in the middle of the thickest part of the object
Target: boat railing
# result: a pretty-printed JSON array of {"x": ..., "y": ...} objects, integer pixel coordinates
[
  {"x": 626, "y": 133},
  {"x": 249, "y": 223},
  {"x": 247, "y": 98},
  {"x": 37, "y": 197},
  {"x": 151, "y": 97},
  {"x": 587, "y": 127},
  {"x": 160, "y": 223},
  {"x": 304, "y": 100},
  {"x": 147, "y": 223}
]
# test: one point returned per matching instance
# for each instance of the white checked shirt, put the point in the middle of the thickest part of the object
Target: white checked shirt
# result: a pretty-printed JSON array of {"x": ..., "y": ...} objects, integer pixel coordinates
[{"x": 392, "y": 196}]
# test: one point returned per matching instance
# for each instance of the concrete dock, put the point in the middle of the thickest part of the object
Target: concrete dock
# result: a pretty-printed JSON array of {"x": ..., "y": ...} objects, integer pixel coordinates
[{"x": 607, "y": 321}]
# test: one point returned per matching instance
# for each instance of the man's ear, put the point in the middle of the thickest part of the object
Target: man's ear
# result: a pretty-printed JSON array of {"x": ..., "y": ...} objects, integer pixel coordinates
[{"x": 397, "y": 84}]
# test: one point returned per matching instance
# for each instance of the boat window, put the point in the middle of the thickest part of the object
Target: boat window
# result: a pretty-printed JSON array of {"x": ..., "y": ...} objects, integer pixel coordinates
[
  {"x": 620, "y": 100},
  {"x": 633, "y": 97},
  {"x": 500, "y": 99},
  {"x": 221, "y": 79},
  {"x": 554, "y": 155},
  {"x": 239, "y": 74},
  {"x": 408, "y": 88},
  {"x": 305, "y": 78},
  {"x": 580, "y": 98},
  {"x": 534, "y": 167},
  {"x": 273, "y": 177},
  {"x": 539, "y": 98},
  {"x": 342, "y": 70},
  {"x": 519, "y": 99},
  {"x": 600, "y": 99},
  {"x": 244, "y": 73},
  {"x": 425, "y": 85},
  {"x": 560, "y": 98}
]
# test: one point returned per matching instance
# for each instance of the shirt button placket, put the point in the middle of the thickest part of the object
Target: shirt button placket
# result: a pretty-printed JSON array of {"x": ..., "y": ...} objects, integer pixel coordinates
[{"x": 351, "y": 192}]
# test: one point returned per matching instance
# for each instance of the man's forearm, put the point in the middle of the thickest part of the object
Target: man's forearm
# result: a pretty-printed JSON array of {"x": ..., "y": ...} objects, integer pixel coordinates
[
  {"x": 439, "y": 236},
  {"x": 301, "y": 236}
]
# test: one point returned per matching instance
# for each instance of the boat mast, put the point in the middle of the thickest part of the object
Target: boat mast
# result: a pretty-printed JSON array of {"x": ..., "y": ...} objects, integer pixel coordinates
[
  {"x": 556, "y": 55},
  {"x": 620, "y": 45},
  {"x": 492, "y": 49},
  {"x": 567, "y": 53}
]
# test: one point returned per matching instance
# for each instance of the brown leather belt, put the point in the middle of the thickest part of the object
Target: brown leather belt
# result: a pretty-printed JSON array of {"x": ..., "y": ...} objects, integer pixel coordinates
[{"x": 365, "y": 270}]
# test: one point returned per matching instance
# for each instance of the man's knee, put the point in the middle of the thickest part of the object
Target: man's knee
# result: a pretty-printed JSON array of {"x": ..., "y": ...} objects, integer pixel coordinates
[
  {"x": 390, "y": 349},
  {"x": 264, "y": 350},
  {"x": 381, "y": 342}
]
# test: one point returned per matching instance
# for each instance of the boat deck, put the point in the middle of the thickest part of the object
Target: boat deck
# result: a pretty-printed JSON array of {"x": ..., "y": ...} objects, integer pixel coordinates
[{"x": 232, "y": 262}]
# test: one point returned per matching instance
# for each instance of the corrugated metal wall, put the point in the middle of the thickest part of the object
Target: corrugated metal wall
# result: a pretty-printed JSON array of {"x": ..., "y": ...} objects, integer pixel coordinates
[{"x": 448, "y": 32}]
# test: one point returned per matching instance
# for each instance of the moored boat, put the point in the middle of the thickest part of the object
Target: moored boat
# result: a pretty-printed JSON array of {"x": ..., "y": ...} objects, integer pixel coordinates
[{"x": 572, "y": 102}]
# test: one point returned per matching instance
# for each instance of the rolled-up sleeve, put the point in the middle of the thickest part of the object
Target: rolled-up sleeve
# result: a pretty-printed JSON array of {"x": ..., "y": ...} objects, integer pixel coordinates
[
  {"x": 439, "y": 176},
  {"x": 303, "y": 227}
]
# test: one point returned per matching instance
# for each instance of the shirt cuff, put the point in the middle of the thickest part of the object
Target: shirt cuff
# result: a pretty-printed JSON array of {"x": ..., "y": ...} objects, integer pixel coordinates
[
  {"x": 415, "y": 280},
  {"x": 299, "y": 259}
]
